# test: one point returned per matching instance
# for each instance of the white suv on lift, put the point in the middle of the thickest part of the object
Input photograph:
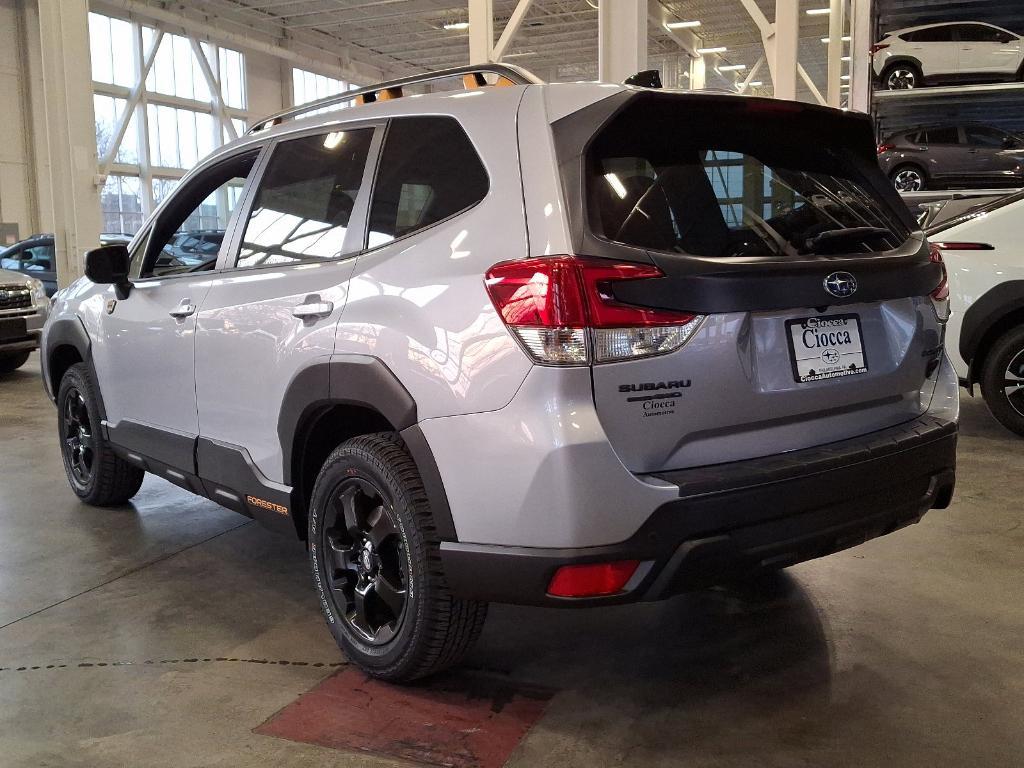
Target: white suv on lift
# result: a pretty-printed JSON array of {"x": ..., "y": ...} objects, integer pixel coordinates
[
  {"x": 563, "y": 345},
  {"x": 957, "y": 52}
]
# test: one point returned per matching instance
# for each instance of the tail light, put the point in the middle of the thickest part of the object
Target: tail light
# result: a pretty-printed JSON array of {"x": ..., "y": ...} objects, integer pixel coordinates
[
  {"x": 563, "y": 311},
  {"x": 879, "y": 47},
  {"x": 883, "y": 148},
  {"x": 592, "y": 579},
  {"x": 940, "y": 296}
]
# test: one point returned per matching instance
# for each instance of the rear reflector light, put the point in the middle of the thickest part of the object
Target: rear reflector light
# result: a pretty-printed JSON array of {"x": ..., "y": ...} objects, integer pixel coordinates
[
  {"x": 563, "y": 311},
  {"x": 883, "y": 148},
  {"x": 964, "y": 246},
  {"x": 878, "y": 47},
  {"x": 592, "y": 579}
]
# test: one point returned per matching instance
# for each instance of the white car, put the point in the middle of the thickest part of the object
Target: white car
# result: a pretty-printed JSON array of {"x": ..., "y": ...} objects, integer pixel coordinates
[
  {"x": 984, "y": 256},
  {"x": 950, "y": 52}
]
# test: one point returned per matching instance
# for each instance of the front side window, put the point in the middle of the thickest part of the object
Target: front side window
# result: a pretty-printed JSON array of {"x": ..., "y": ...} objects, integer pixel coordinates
[
  {"x": 985, "y": 137},
  {"x": 429, "y": 171},
  {"x": 38, "y": 258},
  {"x": 305, "y": 199},
  {"x": 981, "y": 33},
  {"x": 198, "y": 213},
  {"x": 660, "y": 178}
]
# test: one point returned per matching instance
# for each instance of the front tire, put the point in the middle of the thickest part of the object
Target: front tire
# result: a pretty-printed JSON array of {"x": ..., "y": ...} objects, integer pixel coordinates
[
  {"x": 1002, "y": 380},
  {"x": 902, "y": 76},
  {"x": 95, "y": 473},
  {"x": 909, "y": 178},
  {"x": 10, "y": 362},
  {"x": 375, "y": 555}
]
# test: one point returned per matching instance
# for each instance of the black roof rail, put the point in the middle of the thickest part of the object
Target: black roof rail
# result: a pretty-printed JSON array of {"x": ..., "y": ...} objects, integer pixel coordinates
[{"x": 473, "y": 77}]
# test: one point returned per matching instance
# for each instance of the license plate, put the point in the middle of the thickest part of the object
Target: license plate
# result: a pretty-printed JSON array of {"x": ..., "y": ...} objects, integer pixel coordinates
[
  {"x": 826, "y": 347},
  {"x": 12, "y": 328}
]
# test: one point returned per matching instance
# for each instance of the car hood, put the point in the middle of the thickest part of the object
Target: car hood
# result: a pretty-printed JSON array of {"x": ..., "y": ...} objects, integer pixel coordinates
[{"x": 7, "y": 276}]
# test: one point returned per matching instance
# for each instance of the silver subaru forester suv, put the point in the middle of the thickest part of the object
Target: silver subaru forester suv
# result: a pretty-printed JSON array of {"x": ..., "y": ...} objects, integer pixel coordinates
[{"x": 551, "y": 344}]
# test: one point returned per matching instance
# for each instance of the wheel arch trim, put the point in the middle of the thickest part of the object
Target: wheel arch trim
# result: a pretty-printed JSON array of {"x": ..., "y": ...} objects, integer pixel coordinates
[
  {"x": 983, "y": 317},
  {"x": 366, "y": 382}
]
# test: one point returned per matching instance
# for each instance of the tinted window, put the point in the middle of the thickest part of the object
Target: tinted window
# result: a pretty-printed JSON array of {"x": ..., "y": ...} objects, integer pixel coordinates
[
  {"x": 660, "y": 178},
  {"x": 200, "y": 208},
  {"x": 979, "y": 33},
  {"x": 941, "y": 136},
  {"x": 984, "y": 137},
  {"x": 38, "y": 258},
  {"x": 428, "y": 172},
  {"x": 931, "y": 35},
  {"x": 305, "y": 199}
]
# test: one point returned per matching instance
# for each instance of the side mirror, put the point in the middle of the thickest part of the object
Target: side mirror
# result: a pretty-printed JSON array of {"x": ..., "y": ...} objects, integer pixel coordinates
[
  {"x": 1010, "y": 143},
  {"x": 108, "y": 265}
]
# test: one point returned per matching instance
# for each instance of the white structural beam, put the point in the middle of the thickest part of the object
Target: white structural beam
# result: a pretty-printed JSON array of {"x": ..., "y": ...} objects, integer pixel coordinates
[
  {"x": 622, "y": 39},
  {"x": 216, "y": 97},
  {"x": 787, "y": 45},
  {"x": 514, "y": 22},
  {"x": 133, "y": 101},
  {"x": 751, "y": 75},
  {"x": 481, "y": 31},
  {"x": 810, "y": 84},
  {"x": 70, "y": 132},
  {"x": 860, "y": 55},
  {"x": 836, "y": 31}
]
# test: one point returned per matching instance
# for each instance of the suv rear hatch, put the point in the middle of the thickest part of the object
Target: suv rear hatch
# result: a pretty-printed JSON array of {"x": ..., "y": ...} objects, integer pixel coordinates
[{"x": 766, "y": 233}]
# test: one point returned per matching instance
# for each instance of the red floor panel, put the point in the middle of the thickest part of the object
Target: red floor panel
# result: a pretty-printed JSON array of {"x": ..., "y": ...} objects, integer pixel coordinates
[{"x": 465, "y": 720}]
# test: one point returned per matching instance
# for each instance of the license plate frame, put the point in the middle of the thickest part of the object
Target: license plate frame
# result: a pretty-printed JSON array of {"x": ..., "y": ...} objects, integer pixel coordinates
[{"x": 856, "y": 361}]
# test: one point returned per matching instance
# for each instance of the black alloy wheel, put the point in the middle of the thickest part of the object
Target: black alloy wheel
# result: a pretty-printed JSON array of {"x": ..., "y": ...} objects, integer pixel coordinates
[
  {"x": 366, "y": 573},
  {"x": 79, "y": 446},
  {"x": 1002, "y": 379},
  {"x": 1013, "y": 383},
  {"x": 902, "y": 77}
]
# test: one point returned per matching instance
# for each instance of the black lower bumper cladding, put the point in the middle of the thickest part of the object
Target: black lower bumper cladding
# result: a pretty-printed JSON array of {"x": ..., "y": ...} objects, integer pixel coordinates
[{"x": 734, "y": 520}]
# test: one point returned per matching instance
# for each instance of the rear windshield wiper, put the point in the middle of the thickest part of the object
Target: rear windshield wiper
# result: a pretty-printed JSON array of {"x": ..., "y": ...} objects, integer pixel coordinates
[{"x": 835, "y": 240}]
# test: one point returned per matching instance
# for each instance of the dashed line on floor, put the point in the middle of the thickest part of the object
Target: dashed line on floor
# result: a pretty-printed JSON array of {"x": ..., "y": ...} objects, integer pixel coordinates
[{"x": 156, "y": 662}]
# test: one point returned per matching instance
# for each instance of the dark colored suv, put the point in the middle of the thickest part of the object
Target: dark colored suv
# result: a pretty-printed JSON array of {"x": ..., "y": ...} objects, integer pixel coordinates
[
  {"x": 35, "y": 256},
  {"x": 945, "y": 156}
]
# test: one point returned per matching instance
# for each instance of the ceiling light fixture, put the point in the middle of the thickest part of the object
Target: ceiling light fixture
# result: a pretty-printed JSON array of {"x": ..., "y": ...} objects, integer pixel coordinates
[
  {"x": 681, "y": 24},
  {"x": 716, "y": 49},
  {"x": 844, "y": 38},
  {"x": 818, "y": 11},
  {"x": 732, "y": 68},
  {"x": 456, "y": 25},
  {"x": 755, "y": 84},
  {"x": 844, "y": 77}
]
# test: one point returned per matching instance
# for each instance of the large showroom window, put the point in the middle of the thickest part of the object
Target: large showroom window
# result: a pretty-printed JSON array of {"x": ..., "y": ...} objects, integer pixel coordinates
[
  {"x": 147, "y": 139},
  {"x": 309, "y": 86}
]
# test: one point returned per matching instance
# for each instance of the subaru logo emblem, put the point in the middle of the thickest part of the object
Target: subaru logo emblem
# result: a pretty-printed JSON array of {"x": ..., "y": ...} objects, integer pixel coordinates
[
  {"x": 842, "y": 285},
  {"x": 4, "y": 295}
]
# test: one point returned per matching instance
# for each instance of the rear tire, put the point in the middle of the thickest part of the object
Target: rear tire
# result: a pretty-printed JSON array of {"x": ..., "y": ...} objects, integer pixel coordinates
[
  {"x": 902, "y": 76},
  {"x": 909, "y": 178},
  {"x": 376, "y": 562},
  {"x": 95, "y": 473},
  {"x": 12, "y": 361},
  {"x": 1002, "y": 380}
]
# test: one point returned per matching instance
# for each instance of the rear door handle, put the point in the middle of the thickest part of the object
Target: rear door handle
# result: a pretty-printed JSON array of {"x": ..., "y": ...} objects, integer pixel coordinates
[
  {"x": 184, "y": 309},
  {"x": 313, "y": 308}
]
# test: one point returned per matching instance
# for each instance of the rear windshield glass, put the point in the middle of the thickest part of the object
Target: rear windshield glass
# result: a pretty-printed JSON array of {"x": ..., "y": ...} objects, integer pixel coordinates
[{"x": 661, "y": 177}]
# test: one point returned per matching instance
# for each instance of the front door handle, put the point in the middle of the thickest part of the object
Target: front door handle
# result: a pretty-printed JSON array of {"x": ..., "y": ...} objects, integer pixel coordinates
[
  {"x": 313, "y": 308},
  {"x": 184, "y": 309}
]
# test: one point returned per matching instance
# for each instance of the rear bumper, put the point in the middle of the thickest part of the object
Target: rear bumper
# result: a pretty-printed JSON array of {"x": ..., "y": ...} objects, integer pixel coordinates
[{"x": 737, "y": 519}]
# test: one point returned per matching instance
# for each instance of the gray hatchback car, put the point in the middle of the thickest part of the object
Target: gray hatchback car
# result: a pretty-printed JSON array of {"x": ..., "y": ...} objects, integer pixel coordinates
[
  {"x": 946, "y": 156},
  {"x": 554, "y": 344}
]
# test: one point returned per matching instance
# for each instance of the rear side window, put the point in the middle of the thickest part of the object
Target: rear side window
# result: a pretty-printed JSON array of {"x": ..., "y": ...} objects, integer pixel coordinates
[
  {"x": 941, "y": 136},
  {"x": 305, "y": 199},
  {"x": 729, "y": 185},
  {"x": 428, "y": 171}
]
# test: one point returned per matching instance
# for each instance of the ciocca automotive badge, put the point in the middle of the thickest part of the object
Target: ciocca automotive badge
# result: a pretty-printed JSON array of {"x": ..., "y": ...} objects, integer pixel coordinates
[{"x": 842, "y": 285}]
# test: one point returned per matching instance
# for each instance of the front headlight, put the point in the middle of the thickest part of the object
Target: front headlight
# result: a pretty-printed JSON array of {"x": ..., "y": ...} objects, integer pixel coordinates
[{"x": 38, "y": 291}]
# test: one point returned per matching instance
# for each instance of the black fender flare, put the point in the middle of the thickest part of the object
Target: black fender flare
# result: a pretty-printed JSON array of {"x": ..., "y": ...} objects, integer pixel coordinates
[
  {"x": 64, "y": 332},
  {"x": 365, "y": 381},
  {"x": 988, "y": 312}
]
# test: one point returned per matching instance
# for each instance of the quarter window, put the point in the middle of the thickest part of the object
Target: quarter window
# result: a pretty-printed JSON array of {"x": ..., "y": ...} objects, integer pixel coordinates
[
  {"x": 429, "y": 171},
  {"x": 305, "y": 200}
]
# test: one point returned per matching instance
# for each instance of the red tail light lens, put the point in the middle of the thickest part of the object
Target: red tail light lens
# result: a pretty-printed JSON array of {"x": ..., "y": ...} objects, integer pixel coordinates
[
  {"x": 592, "y": 579},
  {"x": 878, "y": 47},
  {"x": 883, "y": 148},
  {"x": 941, "y": 292},
  {"x": 563, "y": 310}
]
